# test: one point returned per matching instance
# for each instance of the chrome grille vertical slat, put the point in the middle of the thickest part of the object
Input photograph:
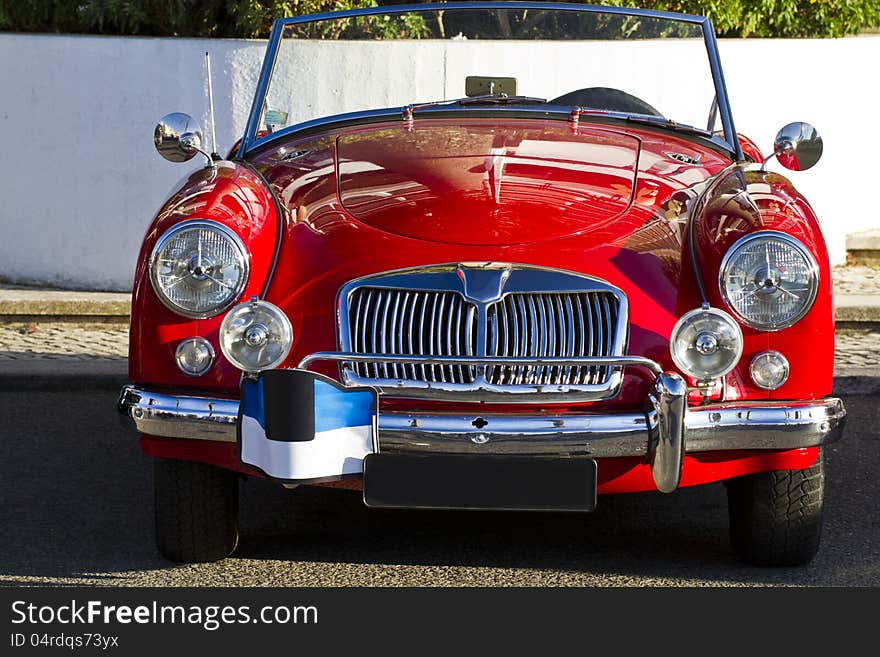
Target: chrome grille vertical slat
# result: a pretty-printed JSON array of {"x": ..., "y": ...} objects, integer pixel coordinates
[
  {"x": 561, "y": 337},
  {"x": 384, "y": 341},
  {"x": 595, "y": 335},
  {"x": 600, "y": 329},
  {"x": 534, "y": 344},
  {"x": 440, "y": 341},
  {"x": 471, "y": 329},
  {"x": 458, "y": 338},
  {"x": 394, "y": 346},
  {"x": 423, "y": 298},
  {"x": 504, "y": 341},
  {"x": 510, "y": 313},
  {"x": 450, "y": 333},
  {"x": 374, "y": 336},
  {"x": 430, "y": 341},
  {"x": 548, "y": 332},
  {"x": 493, "y": 330},
  {"x": 406, "y": 330},
  {"x": 516, "y": 316},
  {"x": 361, "y": 338},
  {"x": 357, "y": 319},
  {"x": 609, "y": 328},
  {"x": 568, "y": 375},
  {"x": 583, "y": 373},
  {"x": 555, "y": 337},
  {"x": 354, "y": 322},
  {"x": 523, "y": 346}
]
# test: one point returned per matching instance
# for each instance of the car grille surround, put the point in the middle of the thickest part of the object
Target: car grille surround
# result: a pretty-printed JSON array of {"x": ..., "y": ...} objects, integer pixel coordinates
[{"x": 485, "y": 309}]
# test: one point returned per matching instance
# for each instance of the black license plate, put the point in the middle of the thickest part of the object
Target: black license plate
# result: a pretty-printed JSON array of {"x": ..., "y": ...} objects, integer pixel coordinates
[{"x": 460, "y": 481}]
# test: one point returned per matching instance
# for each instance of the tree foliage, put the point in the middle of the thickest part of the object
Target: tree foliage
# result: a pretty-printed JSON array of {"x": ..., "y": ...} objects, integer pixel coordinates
[
  {"x": 777, "y": 18},
  {"x": 253, "y": 18}
]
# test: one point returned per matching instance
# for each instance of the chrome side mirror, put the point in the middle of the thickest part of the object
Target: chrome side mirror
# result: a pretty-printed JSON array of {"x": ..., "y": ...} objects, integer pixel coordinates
[
  {"x": 178, "y": 138},
  {"x": 798, "y": 146}
]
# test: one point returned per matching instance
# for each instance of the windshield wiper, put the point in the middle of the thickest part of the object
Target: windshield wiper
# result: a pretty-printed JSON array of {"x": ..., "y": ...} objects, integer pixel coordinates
[
  {"x": 504, "y": 99},
  {"x": 500, "y": 99},
  {"x": 488, "y": 99},
  {"x": 668, "y": 124},
  {"x": 642, "y": 119}
]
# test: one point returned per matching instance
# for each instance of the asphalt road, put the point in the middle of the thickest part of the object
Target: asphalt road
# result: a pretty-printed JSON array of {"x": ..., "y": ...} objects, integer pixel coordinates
[{"x": 77, "y": 508}]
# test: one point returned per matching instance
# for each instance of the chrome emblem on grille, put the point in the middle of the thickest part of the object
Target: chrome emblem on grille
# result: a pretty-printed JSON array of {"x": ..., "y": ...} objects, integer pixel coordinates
[{"x": 483, "y": 283}]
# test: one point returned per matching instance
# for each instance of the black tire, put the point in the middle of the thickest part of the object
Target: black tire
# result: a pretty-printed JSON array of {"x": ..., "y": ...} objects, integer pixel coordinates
[
  {"x": 776, "y": 517},
  {"x": 196, "y": 508}
]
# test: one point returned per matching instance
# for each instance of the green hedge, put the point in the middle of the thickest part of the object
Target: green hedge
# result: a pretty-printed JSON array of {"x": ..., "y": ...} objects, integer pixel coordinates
[
  {"x": 779, "y": 18},
  {"x": 253, "y": 18}
]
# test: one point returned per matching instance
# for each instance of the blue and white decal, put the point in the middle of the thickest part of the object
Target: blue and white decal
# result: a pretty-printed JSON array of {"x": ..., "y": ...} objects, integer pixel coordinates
[{"x": 301, "y": 426}]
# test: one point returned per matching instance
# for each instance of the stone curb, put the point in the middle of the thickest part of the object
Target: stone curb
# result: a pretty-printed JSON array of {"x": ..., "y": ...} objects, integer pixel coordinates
[
  {"x": 50, "y": 305},
  {"x": 20, "y": 304},
  {"x": 857, "y": 309}
]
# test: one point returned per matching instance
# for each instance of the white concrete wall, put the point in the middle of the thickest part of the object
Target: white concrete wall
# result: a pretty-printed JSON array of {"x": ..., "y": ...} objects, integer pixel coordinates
[
  {"x": 80, "y": 180},
  {"x": 79, "y": 177}
]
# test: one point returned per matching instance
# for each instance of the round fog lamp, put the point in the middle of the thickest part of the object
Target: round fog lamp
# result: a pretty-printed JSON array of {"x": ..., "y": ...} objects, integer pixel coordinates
[
  {"x": 769, "y": 370},
  {"x": 256, "y": 336},
  {"x": 706, "y": 343},
  {"x": 194, "y": 356}
]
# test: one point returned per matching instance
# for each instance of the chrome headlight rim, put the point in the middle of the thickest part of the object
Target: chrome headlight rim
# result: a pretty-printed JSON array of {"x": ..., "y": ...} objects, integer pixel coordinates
[
  {"x": 242, "y": 258},
  {"x": 797, "y": 246}
]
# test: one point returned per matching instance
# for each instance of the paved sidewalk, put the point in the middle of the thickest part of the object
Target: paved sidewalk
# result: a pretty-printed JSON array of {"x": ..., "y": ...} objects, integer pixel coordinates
[
  {"x": 856, "y": 280},
  {"x": 55, "y": 338},
  {"x": 65, "y": 354}
]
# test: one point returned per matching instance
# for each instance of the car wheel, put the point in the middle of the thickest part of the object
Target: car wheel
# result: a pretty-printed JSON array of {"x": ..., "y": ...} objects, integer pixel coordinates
[
  {"x": 776, "y": 517},
  {"x": 196, "y": 509}
]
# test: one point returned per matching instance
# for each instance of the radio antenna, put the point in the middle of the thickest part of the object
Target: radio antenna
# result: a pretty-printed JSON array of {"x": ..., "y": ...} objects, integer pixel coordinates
[{"x": 214, "y": 154}]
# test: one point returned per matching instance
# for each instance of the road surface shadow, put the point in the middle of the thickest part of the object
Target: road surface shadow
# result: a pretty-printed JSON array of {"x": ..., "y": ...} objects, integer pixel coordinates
[{"x": 78, "y": 506}]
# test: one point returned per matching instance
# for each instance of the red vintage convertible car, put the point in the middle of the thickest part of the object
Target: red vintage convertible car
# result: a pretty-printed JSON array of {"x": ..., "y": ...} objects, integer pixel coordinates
[{"x": 487, "y": 256}]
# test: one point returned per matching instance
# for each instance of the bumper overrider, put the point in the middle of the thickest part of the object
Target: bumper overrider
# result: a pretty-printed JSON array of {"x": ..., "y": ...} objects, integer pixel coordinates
[{"x": 661, "y": 434}]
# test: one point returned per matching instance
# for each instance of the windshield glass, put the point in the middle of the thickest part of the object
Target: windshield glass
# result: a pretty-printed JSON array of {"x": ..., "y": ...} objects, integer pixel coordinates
[{"x": 641, "y": 64}]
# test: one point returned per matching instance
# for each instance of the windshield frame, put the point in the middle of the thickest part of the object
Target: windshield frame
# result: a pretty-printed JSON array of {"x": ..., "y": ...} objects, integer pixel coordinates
[{"x": 250, "y": 141}]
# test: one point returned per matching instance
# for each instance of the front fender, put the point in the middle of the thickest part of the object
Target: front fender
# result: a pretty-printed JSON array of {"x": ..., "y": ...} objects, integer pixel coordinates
[{"x": 230, "y": 194}]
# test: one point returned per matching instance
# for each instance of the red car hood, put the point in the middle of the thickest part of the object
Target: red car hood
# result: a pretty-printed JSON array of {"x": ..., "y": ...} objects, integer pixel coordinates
[
  {"x": 609, "y": 201},
  {"x": 477, "y": 185}
]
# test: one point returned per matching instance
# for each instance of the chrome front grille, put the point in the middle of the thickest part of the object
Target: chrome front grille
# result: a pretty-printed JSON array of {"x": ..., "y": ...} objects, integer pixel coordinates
[
  {"x": 412, "y": 323},
  {"x": 483, "y": 310},
  {"x": 564, "y": 325}
]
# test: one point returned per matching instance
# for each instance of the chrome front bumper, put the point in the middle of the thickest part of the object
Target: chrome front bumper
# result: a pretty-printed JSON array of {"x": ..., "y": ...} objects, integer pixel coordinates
[{"x": 661, "y": 435}]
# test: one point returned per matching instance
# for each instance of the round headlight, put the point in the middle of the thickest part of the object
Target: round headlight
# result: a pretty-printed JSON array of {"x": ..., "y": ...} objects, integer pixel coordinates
[
  {"x": 769, "y": 280},
  {"x": 198, "y": 268},
  {"x": 706, "y": 343},
  {"x": 256, "y": 336}
]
